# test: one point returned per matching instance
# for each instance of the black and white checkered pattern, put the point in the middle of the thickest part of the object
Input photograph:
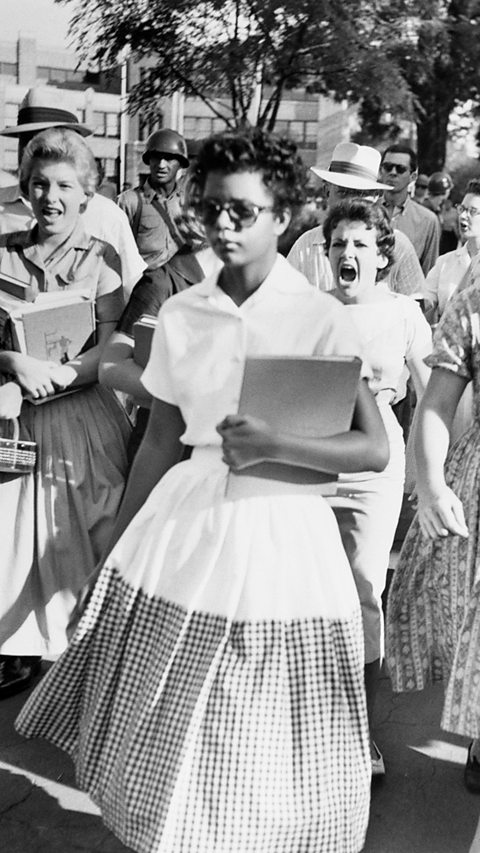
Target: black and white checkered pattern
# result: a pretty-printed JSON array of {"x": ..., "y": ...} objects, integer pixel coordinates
[{"x": 198, "y": 735}]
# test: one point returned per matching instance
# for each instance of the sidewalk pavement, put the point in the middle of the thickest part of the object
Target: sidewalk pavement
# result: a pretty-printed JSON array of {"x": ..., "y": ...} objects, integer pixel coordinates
[{"x": 420, "y": 807}]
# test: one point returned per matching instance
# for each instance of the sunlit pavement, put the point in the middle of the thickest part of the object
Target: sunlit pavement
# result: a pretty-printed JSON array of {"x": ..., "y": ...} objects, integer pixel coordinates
[{"x": 421, "y": 806}]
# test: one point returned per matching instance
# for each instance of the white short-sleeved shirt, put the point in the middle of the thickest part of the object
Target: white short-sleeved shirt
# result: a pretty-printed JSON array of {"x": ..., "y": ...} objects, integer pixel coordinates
[
  {"x": 392, "y": 332},
  {"x": 203, "y": 338},
  {"x": 444, "y": 278}
]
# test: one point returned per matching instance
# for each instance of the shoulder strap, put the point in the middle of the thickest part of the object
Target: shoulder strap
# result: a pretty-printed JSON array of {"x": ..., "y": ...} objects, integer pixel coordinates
[
  {"x": 138, "y": 212},
  {"x": 163, "y": 211}
]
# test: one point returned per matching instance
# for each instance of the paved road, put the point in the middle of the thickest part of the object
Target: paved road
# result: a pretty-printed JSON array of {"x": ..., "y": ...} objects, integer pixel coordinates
[{"x": 420, "y": 807}]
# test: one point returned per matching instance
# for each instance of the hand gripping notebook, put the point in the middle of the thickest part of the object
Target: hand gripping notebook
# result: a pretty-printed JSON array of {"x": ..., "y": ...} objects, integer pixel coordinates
[{"x": 306, "y": 396}]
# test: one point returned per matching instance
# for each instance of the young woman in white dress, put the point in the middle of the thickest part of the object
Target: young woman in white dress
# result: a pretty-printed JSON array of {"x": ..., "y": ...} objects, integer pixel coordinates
[
  {"x": 212, "y": 696},
  {"x": 395, "y": 334}
]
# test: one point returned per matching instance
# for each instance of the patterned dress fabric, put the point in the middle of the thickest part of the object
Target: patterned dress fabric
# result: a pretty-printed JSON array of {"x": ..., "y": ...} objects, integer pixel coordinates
[
  {"x": 433, "y": 616},
  {"x": 212, "y": 696}
]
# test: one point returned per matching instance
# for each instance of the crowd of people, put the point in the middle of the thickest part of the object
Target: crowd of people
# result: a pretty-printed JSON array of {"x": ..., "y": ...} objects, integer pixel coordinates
[{"x": 217, "y": 655}]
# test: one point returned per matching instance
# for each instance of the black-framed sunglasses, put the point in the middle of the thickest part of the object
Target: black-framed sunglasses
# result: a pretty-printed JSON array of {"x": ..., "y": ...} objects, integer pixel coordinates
[
  {"x": 389, "y": 167},
  {"x": 243, "y": 214}
]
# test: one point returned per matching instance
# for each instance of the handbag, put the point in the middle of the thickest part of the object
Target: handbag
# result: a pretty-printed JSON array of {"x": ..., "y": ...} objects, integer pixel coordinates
[{"x": 17, "y": 457}]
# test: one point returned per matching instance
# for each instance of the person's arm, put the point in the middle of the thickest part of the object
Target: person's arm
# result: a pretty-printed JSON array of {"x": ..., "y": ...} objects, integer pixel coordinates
[
  {"x": 153, "y": 459},
  {"x": 109, "y": 304},
  {"x": 420, "y": 374},
  {"x": 247, "y": 441},
  {"x": 432, "y": 283},
  {"x": 440, "y": 512},
  {"x": 118, "y": 370},
  {"x": 418, "y": 347},
  {"x": 84, "y": 368}
]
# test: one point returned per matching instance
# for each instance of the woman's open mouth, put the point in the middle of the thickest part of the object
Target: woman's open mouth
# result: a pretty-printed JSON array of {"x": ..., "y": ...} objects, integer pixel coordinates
[{"x": 347, "y": 273}]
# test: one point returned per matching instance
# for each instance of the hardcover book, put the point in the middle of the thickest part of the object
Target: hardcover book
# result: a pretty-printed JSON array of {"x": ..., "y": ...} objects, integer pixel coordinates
[
  {"x": 17, "y": 288},
  {"x": 143, "y": 331},
  {"x": 55, "y": 327}
]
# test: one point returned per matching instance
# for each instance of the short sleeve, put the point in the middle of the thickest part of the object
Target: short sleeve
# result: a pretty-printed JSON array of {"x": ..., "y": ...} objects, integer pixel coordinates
[
  {"x": 457, "y": 335},
  {"x": 145, "y": 298},
  {"x": 157, "y": 375},
  {"x": 109, "y": 308},
  {"x": 109, "y": 302}
]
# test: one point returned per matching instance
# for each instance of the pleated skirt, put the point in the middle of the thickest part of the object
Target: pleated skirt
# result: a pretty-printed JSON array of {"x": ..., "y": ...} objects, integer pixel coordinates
[
  {"x": 212, "y": 696},
  {"x": 56, "y": 522}
]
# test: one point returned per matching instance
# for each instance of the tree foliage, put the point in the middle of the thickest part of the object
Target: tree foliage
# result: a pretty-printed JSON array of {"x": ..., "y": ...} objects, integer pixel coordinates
[
  {"x": 214, "y": 48},
  {"x": 398, "y": 59},
  {"x": 439, "y": 60}
]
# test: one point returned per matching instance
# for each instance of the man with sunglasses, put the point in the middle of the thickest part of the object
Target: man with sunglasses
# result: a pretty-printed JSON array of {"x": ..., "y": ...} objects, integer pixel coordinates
[
  {"x": 399, "y": 169},
  {"x": 353, "y": 173}
]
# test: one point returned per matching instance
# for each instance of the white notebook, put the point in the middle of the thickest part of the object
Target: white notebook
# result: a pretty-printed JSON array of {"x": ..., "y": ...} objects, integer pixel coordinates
[{"x": 306, "y": 396}]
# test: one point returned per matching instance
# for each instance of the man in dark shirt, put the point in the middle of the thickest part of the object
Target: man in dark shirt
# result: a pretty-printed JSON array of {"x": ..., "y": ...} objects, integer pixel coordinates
[{"x": 399, "y": 169}]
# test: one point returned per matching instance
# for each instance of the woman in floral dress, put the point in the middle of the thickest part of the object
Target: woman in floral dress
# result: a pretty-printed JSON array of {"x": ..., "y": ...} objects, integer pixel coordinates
[{"x": 433, "y": 617}]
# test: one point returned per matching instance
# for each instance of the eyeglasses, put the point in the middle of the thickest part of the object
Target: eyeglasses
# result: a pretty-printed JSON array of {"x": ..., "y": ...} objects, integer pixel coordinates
[
  {"x": 242, "y": 214},
  {"x": 472, "y": 211},
  {"x": 389, "y": 167}
]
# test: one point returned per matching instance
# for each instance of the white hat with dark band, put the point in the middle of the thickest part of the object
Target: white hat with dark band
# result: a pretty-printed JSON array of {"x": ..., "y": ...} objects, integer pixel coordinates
[{"x": 353, "y": 167}]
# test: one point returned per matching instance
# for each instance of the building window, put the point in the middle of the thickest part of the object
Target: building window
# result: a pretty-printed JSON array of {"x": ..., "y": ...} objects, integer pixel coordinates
[
  {"x": 10, "y": 160},
  {"x": 304, "y": 133},
  {"x": 59, "y": 75},
  {"x": 9, "y": 69},
  {"x": 112, "y": 124},
  {"x": 106, "y": 124}
]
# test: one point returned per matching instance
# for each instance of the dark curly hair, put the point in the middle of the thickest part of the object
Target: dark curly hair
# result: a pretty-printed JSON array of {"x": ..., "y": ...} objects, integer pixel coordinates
[
  {"x": 373, "y": 215},
  {"x": 473, "y": 187},
  {"x": 254, "y": 150}
]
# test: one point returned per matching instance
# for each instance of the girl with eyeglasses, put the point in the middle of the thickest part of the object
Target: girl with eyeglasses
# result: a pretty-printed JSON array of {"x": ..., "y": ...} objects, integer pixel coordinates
[
  {"x": 450, "y": 270},
  {"x": 212, "y": 696}
]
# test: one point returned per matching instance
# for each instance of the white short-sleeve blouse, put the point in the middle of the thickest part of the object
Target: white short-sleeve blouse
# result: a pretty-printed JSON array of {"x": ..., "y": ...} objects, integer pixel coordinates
[{"x": 203, "y": 338}]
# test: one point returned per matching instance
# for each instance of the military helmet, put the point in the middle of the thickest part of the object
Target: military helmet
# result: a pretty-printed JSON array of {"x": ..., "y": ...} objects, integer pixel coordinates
[
  {"x": 439, "y": 183},
  {"x": 166, "y": 141}
]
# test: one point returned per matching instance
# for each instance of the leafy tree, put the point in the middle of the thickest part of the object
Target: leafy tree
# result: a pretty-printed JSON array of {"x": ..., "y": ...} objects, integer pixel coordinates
[
  {"x": 438, "y": 56},
  {"x": 398, "y": 59},
  {"x": 223, "y": 51}
]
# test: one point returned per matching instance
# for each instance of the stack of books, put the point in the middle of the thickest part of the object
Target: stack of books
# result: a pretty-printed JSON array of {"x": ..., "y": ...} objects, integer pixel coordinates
[{"x": 143, "y": 331}]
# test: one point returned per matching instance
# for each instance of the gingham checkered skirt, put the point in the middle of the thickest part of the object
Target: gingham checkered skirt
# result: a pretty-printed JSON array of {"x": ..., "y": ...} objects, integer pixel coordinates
[{"x": 202, "y": 731}]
